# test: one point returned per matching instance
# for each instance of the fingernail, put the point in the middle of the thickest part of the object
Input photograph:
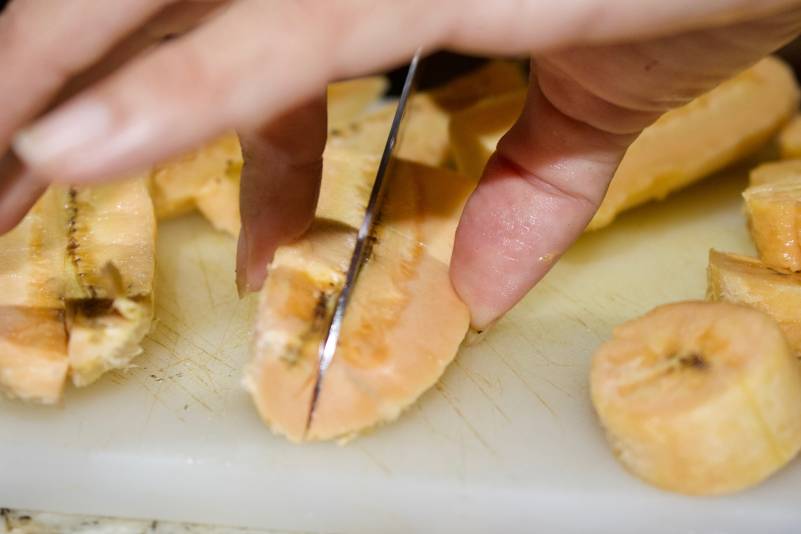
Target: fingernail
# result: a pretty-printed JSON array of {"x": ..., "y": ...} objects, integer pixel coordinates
[
  {"x": 241, "y": 265},
  {"x": 78, "y": 125}
]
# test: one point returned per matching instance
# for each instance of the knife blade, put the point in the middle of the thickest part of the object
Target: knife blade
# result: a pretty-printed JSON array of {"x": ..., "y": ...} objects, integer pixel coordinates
[{"x": 330, "y": 340}]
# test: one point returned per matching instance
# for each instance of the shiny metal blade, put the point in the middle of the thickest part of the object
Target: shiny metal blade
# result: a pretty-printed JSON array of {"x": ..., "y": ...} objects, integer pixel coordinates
[{"x": 328, "y": 346}]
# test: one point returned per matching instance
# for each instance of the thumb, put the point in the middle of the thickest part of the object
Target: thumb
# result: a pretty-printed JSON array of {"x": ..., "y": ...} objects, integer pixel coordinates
[
  {"x": 551, "y": 170},
  {"x": 537, "y": 194}
]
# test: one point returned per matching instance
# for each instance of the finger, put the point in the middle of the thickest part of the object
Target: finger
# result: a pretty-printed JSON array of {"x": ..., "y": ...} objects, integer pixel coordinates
[
  {"x": 44, "y": 43},
  {"x": 537, "y": 195},
  {"x": 552, "y": 169},
  {"x": 18, "y": 192},
  {"x": 280, "y": 185},
  {"x": 246, "y": 66}
]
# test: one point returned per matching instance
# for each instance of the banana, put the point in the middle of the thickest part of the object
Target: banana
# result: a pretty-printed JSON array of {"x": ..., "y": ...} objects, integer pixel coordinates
[
  {"x": 742, "y": 280},
  {"x": 790, "y": 139},
  {"x": 683, "y": 146},
  {"x": 75, "y": 288},
  {"x": 774, "y": 216},
  {"x": 701, "y": 398},
  {"x": 404, "y": 323}
]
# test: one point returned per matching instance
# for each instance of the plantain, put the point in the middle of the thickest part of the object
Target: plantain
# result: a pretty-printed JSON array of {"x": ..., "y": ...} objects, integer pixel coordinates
[
  {"x": 743, "y": 280},
  {"x": 404, "y": 323},
  {"x": 207, "y": 179},
  {"x": 683, "y": 146},
  {"x": 790, "y": 139},
  {"x": 425, "y": 138},
  {"x": 33, "y": 339},
  {"x": 774, "y": 218},
  {"x": 700, "y": 398},
  {"x": 110, "y": 265},
  {"x": 78, "y": 279},
  {"x": 775, "y": 171}
]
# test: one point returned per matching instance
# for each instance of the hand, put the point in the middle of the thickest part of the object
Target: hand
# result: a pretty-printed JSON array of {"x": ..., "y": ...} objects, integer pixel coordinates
[{"x": 604, "y": 70}]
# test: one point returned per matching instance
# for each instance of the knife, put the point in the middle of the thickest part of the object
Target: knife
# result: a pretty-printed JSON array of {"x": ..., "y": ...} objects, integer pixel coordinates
[{"x": 328, "y": 345}]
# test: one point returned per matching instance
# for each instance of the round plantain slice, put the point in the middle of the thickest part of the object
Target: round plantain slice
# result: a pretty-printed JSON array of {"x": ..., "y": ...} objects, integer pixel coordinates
[{"x": 700, "y": 398}]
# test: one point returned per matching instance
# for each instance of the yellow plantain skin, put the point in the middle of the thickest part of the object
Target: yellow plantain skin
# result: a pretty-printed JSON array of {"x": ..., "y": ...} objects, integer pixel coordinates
[{"x": 702, "y": 398}]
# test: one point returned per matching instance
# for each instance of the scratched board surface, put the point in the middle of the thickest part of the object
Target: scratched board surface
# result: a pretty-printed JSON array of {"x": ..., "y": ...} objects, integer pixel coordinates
[{"x": 506, "y": 442}]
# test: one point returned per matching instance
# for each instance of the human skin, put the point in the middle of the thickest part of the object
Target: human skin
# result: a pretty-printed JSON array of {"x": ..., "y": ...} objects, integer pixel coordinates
[{"x": 84, "y": 97}]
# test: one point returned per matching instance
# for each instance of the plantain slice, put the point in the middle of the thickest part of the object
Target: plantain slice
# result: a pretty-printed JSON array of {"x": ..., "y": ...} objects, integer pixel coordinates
[
  {"x": 774, "y": 220},
  {"x": 683, "y": 146},
  {"x": 207, "y": 179},
  {"x": 425, "y": 137},
  {"x": 349, "y": 99},
  {"x": 743, "y": 280},
  {"x": 33, "y": 340},
  {"x": 76, "y": 283},
  {"x": 699, "y": 397},
  {"x": 790, "y": 139},
  {"x": 404, "y": 323},
  {"x": 775, "y": 171},
  {"x": 175, "y": 184}
]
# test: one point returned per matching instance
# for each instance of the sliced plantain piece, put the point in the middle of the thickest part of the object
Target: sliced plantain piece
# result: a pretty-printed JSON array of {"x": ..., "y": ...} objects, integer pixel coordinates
[
  {"x": 700, "y": 398},
  {"x": 776, "y": 171},
  {"x": 790, "y": 139},
  {"x": 76, "y": 251},
  {"x": 404, "y": 323},
  {"x": 476, "y": 131},
  {"x": 425, "y": 137},
  {"x": 349, "y": 99},
  {"x": 774, "y": 220},
  {"x": 175, "y": 184},
  {"x": 33, "y": 340},
  {"x": 743, "y": 280},
  {"x": 683, "y": 146},
  {"x": 207, "y": 179},
  {"x": 106, "y": 335},
  {"x": 111, "y": 233}
]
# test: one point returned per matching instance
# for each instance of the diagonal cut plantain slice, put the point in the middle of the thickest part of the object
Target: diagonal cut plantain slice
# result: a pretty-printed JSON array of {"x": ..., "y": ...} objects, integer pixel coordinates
[{"x": 404, "y": 324}]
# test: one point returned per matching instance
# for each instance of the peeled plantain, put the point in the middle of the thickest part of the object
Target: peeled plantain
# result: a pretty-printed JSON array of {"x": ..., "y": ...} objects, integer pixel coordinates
[
  {"x": 425, "y": 136},
  {"x": 404, "y": 323},
  {"x": 207, "y": 179},
  {"x": 742, "y": 280},
  {"x": 774, "y": 217},
  {"x": 77, "y": 275},
  {"x": 776, "y": 171},
  {"x": 790, "y": 139},
  {"x": 683, "y": 146},
  {"x": 700, "y": 398}
]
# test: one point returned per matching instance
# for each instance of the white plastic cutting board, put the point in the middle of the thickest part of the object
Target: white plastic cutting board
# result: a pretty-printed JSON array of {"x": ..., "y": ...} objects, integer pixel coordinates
[{"x": 507, "y": 442}]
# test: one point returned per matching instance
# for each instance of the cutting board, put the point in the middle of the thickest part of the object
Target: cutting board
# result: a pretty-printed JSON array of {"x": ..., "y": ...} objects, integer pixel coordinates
[{"x": 506, "y": 442}]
